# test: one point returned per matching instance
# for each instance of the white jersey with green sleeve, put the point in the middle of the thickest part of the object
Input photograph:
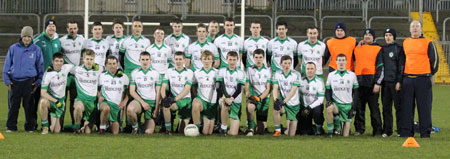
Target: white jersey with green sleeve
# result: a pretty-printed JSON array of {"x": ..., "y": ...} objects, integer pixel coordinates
[
  {"x": 133, "y": 47},
  {"x": 179, "y": 43},
  {"x": 100, "y": 48},
  {"x": 114, "y": 44},
  {"x": 258, "y": 79},
  {"x": 86, "y": 82},
  {"x": 285, "y": 84},
  {"x": 342, "y": 85},
  {"x": 55, "y": 81},
  {"x": 231, "y": 79},
  {"x": 177, "y": 80},
  {"x": 251, "y": 44},
  {"x": 311, "y": 53},
  {"x": 161, "y": 57},
  {"x": 206, "y": 84},
  {"x": 225, "y": 44},
  {"x": 112, "y": 87},
  {"x": 145, "y": 82},
  {"x": 312, "y": 91},
  {"x": 195, "y": 50},
  {"x": 278, "y": 48},
  {"x": 71, "y": 48}
]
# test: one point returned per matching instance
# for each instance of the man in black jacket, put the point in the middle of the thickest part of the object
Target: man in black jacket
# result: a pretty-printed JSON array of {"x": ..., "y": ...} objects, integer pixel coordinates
[{"x": 391, "y": 83}]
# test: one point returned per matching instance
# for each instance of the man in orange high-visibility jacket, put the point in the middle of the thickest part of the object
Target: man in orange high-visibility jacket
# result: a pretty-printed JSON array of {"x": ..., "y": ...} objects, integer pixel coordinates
[
  {"x": 369, "y": 72},
  {"x": 419, "y": 63},
  {"x": 340, "y": 44}
]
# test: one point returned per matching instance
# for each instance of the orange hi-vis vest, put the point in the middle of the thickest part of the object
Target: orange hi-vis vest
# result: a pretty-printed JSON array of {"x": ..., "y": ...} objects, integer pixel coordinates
[
  {"x": 366, "y": 58},
  {"x": 416, "y": 52},
  {"x": 341, "y": 46}
]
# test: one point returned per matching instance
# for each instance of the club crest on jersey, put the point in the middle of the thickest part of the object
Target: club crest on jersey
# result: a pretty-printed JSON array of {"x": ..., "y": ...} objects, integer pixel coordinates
[
  {"x": 391, "y": 54},
  {"x": 31, "y": 56}
]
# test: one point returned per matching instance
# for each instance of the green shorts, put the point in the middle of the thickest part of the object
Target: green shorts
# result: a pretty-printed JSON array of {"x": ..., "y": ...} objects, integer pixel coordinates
[
  {"x": 114, "y": 110},
  {"x": 209, "y": 109},
  {"x": 184, "y": 108},
  {"x": 262, "y": 109},
  {"x": 235, "y": 108},
  {"x": 148, "y": 113},
  {"x": 343, "y": 111},
  {"x": 89, "y": 108},
  {"x": 291, "y": 112},
  {"x": 55, "y": 111}
]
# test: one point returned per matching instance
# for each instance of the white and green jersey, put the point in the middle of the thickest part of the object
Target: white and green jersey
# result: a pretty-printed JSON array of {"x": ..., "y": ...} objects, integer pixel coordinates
[
  {"x": 195, "y": 50},
  {"x": 311, "y": 53},
  {"x": 71, "y": 48},
  {"x": 179, "y": 43},
  {"x": 100, "y": 48},
  {"x": 251, "y": 44},
  {"x": 278, "y": 48},
  {"x": 161, "y": 57},
  {"x": 177, "y": 80},
  {"x": 114, "y": 44},
  {"x": 231, "y": 79},
  {"x": 258, "y": 79},
  {"x": 313, "y": 91},
  {"x": 285, "y": 84},
  {"x": 225, "y": 44},
  {"x": 132, "y": 47},
  {"x": 145, "y": 82},
  {"x": 342, "y": 85},
  {"x": 206, "y": 84},
  {"x": 112, "y": 87},
  {"x": 55, "y": 81},
  {"x": 86, "y": 82}
]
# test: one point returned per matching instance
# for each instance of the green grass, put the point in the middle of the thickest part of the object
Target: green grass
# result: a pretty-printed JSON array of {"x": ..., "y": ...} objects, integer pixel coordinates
[{"x": 34, "y": 145}]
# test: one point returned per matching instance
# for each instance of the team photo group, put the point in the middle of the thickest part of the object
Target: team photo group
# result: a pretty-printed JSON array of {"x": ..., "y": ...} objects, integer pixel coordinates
[{"x": 128, "y": 84}]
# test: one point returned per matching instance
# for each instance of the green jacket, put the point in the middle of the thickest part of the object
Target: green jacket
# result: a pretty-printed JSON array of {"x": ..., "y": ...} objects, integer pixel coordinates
[{"x": 48, "y": 47}]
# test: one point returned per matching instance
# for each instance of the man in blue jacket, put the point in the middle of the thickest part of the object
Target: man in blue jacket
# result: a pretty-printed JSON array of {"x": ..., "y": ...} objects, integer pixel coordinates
[{"x": 23, "y": 69}]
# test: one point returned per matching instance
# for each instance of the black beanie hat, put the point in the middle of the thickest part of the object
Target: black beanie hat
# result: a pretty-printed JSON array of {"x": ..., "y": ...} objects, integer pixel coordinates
[
  {"x": 340, "y": 25},
  {"x": 392, "y": 31},
  {"x": 369, "y": 31},
  {"x": 49, "y": 22}
]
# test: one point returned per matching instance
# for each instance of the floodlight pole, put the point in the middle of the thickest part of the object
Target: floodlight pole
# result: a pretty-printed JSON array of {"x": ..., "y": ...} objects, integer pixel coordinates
[
  {"x": 242, "y": 26},
  {"x": 86, "y": 19}
]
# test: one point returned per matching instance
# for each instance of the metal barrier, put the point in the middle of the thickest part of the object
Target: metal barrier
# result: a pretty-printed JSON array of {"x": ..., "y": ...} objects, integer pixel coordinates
[
  {"x": 338, "y": 4},
  {"x": 261, "y": 16},
  {"x": 38, "y": 25},
  {"x": 443, "y": 28},
  {"x": 383, "y": 17},
  {"x": 335, "y": 17},
  {"x": 296, "y": 16},
  {"x": 442, "y": 76},
  {"x": 437, "y": 8},
  {"x": 57, "y": 14}
]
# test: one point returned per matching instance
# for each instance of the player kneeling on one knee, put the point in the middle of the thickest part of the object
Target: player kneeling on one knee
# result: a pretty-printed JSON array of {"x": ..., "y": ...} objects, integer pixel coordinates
[
  {"x": 257, "y": 90},
  {"x": 145, "y": 89},
  {"x": 286, "y": 82},
  {"x": 53, "y": 93},
  {"x": 112, "y": 96},
  {"x": 179, "y": 81},
  {"x": 205, "y": 102},
  {"x": 341, "y": 89},
  {"x": 230, "y": 81},
  {"x": 86, "y": 79}
]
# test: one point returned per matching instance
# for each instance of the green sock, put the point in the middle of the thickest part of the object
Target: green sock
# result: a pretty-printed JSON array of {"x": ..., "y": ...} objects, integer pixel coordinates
[
  {"x": 251, "y": 124},
  {"x": 318, "y": 127},
  {"x": 135, "y": 126},
  {"x": 277, "y": 127},
  {"x": 168, "y": 126},
  {"x": 44, "y": 123},
  {"x": 337, "y": 123},
  {"x": 198, "y": 126},
  {"x": 330, "y": 127},
  {"x": 77, "y": 126}
]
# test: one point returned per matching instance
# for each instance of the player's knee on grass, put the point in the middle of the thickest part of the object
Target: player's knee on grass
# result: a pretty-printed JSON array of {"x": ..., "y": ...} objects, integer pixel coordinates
[
  {"x": 251, "y": 107},
  {"x": 78, "y": 106},
  {"x": 105, "y": 107},
  {"x": 331, "y": 109},
  {"x": 44, "y": 103}
]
